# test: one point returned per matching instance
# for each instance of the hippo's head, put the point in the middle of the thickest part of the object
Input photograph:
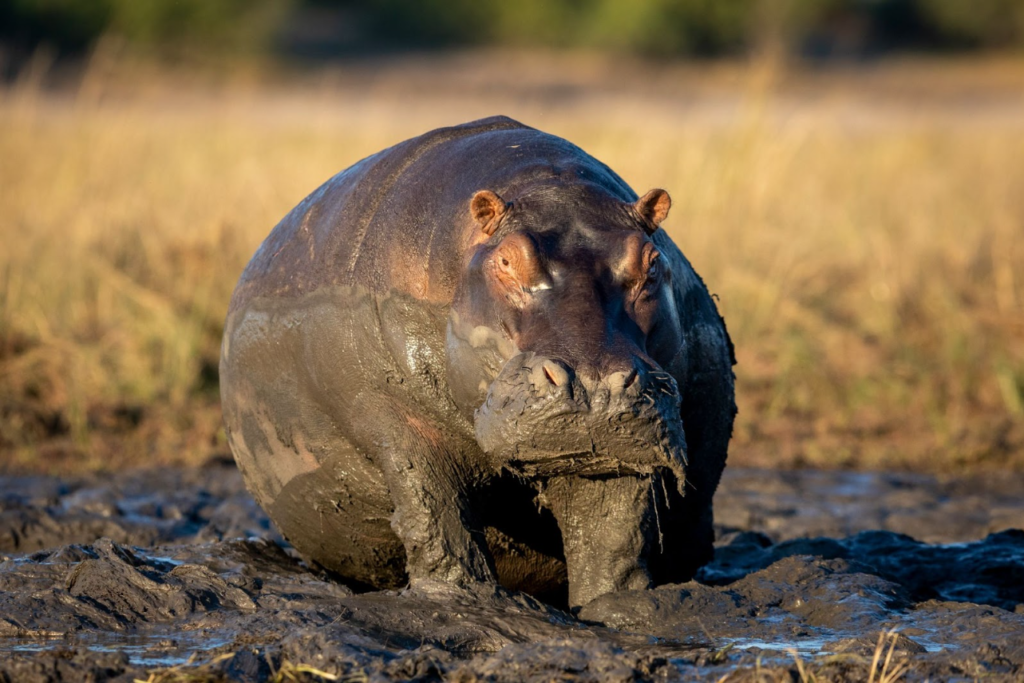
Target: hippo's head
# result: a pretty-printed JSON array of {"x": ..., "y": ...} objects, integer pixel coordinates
[{"x": 563, "y": 333}]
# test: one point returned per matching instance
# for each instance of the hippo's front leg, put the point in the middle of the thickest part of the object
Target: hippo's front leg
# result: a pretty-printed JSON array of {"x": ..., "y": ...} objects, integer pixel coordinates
[
  {"x": 608, "y": 528},
  {"x": 442, "y": 537}
]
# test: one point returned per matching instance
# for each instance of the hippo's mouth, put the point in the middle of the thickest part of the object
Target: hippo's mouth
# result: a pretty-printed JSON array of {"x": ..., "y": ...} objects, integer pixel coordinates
[
  {"x": 540, "y": 464},
  {"x": 583, "y": 427}
]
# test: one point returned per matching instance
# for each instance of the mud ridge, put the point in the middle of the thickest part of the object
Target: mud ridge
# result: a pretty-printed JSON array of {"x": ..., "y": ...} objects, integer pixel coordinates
[{"x": 111, "y": 578}]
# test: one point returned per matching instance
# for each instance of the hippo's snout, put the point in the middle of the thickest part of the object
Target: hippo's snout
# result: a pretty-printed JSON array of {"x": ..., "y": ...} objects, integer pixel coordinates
[{"x": 541, "y": 418}]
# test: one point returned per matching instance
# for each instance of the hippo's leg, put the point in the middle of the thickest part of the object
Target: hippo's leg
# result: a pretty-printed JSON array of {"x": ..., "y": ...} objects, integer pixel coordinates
[
  {"x": 443, "y": 538},
  {"x": 708, "y": 410},
  {"x": 524, "y": 540},
  {"x": 688, "y": 536},
  {"x": 338, "y": 516},
  {"x": 608, "y": 528}
]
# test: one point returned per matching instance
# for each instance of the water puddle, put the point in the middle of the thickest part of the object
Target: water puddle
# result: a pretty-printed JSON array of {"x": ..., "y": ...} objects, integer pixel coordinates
[
  {"x": 805, "y": 647},
  {"x": 148, "y": 650}
]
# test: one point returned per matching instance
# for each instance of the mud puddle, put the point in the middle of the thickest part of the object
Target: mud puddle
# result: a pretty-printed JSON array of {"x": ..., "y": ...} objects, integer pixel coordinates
[{"x": 113, "y": 578}]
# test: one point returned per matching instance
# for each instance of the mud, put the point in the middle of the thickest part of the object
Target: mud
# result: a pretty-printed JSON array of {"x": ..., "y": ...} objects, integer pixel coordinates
[{"x": 111, "y": 578}]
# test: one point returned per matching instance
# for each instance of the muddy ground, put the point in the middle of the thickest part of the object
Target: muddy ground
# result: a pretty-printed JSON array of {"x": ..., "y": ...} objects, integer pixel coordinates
[{"x": 179, "y": 572}]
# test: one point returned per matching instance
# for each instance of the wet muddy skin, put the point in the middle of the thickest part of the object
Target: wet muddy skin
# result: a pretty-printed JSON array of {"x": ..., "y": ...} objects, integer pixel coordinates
[
  {"x": 108, "y": 578},
  {"x": 475, "y": 356}
]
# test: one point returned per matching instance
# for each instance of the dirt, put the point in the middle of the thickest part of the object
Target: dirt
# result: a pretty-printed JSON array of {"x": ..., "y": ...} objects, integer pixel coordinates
[{"x": 179, "y": 572}]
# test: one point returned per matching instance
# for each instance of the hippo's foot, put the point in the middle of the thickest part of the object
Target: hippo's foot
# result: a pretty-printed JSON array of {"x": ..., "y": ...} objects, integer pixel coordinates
[
  {"x": 482, "y": 593},
  {"x": 609, "y": 528},
  {"x": 437, "y": 589}
]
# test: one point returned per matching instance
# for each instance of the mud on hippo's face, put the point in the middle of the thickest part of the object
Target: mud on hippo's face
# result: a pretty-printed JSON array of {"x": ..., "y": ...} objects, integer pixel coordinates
[{"x": 561, "y": 332}]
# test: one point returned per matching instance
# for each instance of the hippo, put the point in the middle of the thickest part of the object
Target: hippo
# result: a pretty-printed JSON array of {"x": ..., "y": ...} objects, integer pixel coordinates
[{"x": 473, "y": 359}]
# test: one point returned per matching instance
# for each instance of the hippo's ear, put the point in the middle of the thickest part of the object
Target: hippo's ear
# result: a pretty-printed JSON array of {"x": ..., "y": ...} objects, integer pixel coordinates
[
  {"x": 653, "y": 208},
  {"x": 487, "y": 208}
]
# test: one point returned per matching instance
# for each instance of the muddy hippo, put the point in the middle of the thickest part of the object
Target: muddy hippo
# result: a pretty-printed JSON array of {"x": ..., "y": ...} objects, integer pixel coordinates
[{"x": 474, "y": 358}]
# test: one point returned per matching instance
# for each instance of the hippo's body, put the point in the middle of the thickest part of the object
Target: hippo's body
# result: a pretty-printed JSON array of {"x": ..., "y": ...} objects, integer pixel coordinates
[{"x": 424, "y": 381}]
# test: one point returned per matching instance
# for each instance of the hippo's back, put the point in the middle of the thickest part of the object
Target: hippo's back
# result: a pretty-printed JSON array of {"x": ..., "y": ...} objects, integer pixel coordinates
[{"x": 398, "y": 220}]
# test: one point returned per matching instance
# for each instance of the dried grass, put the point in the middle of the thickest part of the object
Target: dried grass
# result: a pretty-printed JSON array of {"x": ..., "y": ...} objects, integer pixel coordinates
[{"x": 865, "y": 247}]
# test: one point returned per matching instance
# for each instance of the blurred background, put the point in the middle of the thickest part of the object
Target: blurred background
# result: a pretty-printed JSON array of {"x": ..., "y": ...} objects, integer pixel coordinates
[{"x": 847, "y": 175}]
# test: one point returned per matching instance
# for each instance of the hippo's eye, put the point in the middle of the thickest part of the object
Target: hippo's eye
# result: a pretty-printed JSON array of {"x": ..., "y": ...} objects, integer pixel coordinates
[{"x": 654, "y": 269}]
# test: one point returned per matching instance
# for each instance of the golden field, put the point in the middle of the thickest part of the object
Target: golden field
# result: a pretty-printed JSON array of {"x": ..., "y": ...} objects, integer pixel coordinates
[{"x": 862, "y": 228}]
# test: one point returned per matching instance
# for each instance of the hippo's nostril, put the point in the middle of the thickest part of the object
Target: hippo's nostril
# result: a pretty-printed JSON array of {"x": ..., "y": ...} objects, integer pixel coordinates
[
  {"x": 619, "y": 382},
  {"x": 555, "y": 373},
  {"x": 548, "y": 374}
]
